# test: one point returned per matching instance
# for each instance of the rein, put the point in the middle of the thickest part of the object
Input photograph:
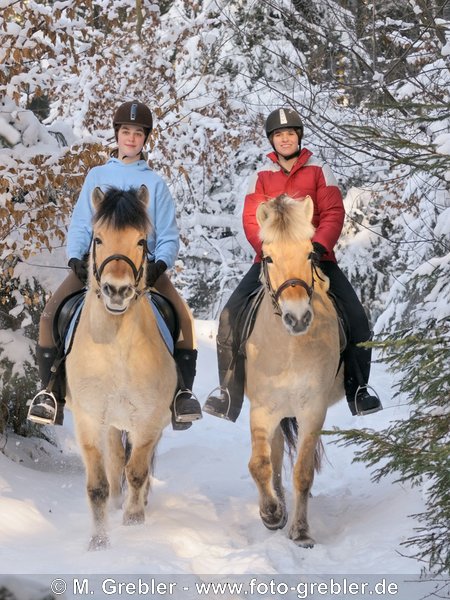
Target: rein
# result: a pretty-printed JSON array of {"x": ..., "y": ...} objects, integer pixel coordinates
[
  {"x": 137, "y": 273},
  {"x": 294, "y": 282}
]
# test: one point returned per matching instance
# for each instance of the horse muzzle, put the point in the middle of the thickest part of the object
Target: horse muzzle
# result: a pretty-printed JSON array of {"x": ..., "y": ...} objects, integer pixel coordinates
[
  {"x": 295, "y": 323},
  {"x": 117, "y": 298}
]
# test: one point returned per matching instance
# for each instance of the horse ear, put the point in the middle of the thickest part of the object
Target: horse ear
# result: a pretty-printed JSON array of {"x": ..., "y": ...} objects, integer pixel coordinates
[
  {"x": 308, "y": 208},
  {"x": 143, "y": 195},
  {"x": 97, "y": 198},
  {"x": 262, "y": 213}
]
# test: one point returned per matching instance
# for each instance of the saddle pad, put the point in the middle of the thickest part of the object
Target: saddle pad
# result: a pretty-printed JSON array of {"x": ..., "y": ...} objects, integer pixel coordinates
[{"x": 163, "y": 329}]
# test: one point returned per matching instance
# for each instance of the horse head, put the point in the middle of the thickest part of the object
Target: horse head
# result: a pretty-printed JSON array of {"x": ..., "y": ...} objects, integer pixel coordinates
[
  {"x": 119, "y": 247},
  {"x": 285, "y": 231}
]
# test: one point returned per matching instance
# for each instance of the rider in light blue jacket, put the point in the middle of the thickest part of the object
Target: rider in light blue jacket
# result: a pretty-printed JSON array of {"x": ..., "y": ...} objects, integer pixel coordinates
[
  {"x": 163, "y": 246},
  {"x": 126, "y": 168}
]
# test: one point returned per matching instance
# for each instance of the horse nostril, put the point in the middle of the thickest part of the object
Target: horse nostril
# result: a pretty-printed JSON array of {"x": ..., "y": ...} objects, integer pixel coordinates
[
  {"x": 106, "y": 289},
  {"x": 128, "y": 291},
  {"x": 290, "y": 320},
  {"x": 307, "y": 318}
]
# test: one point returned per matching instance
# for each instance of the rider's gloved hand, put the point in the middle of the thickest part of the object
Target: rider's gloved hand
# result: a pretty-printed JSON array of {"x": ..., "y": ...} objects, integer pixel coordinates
[
  {"x": 80, "y": 268},
  {"x": 317, "y": 253},
  {"x": 154, "y": 271}
]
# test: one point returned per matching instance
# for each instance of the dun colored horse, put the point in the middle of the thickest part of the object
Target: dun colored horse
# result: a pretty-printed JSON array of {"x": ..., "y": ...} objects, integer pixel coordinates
[
  {"x": 120, "y": 374},
  {"x": 292, "y": 362}
]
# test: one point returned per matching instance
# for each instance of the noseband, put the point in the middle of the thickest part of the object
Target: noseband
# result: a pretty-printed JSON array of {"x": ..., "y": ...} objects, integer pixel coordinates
[
  {"x": 137, "y": 273},
  {"x": 294, "y": 282}
]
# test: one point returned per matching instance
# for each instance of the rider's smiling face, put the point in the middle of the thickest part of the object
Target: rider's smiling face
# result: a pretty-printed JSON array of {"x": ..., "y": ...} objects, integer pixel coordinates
[
  {"x": 285, "y": 141},
  {"x": 130, "y": 140}
]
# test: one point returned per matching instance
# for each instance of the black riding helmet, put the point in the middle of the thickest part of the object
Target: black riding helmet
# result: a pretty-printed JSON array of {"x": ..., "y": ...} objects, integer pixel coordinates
[
  {"x": 284, "y": 118},
  {"x": 133, "y": 113}
]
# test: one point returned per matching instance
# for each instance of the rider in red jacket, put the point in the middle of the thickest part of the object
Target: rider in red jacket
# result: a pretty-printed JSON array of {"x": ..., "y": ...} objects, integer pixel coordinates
[{"x": 296, "y": 172}]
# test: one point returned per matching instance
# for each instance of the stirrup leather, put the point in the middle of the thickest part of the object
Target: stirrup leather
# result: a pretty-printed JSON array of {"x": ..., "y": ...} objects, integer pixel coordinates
[{"x": 35, "y": 402}]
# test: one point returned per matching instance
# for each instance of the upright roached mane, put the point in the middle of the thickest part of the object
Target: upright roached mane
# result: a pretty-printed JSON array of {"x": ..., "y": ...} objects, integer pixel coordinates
[{"x": 284, "y": 221}]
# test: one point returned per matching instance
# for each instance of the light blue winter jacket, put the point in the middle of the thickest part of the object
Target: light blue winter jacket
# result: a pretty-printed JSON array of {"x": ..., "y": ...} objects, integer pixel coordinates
[{"x": 163, "y": 242}]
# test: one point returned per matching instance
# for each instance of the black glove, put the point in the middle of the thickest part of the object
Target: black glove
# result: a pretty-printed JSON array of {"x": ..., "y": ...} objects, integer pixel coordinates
[
  {"x": 154, "y": 271},
  {"x": 80, "y": 268},
  {"x": 317, "y": 253}
]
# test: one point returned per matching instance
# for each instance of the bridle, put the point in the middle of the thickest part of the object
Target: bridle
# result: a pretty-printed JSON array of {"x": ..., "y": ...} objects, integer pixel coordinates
[
  {"x": 137, "y": 272},
  {"x": 294, "y": 282}
]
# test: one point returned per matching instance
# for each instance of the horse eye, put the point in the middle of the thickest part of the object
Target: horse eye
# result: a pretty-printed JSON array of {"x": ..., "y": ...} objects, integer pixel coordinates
[
  {"x": 97, "y": 240},
  {"x": 142, "y": 242}
]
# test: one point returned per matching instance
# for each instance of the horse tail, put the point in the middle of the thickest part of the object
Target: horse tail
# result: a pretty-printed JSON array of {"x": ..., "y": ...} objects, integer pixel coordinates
[
  {"x": 318, "y": 455},
  {"x": 289, "y": 427}
]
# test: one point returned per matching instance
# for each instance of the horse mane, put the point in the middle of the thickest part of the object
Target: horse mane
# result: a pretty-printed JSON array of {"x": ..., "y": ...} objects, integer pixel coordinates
[
  {"x": 284, "y": 219},
  {"x": 121, "y": 209}
]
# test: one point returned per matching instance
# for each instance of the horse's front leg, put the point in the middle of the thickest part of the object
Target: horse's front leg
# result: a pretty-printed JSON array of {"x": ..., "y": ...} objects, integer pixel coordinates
[
  {"x": 303, "y": 477},
  {"x": 115, "y": 465},
  {"x": 98, "y": 492},
  {"x": 137, "y": 473},
  {"x": 272, "y": 508}
]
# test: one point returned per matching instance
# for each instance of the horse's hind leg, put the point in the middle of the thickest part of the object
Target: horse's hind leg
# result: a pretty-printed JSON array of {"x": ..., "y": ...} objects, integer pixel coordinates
[
  {"x": 115, "y": 465},
  {"x": 303, "y": 480},
  {"x": 272, "y": 508},
  {"x": 137, "y": 472}
]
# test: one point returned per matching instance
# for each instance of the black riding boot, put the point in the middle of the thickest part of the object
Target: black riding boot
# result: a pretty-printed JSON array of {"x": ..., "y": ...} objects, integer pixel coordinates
[
  {"x": 356, "y": 376},
  {"x": 185, "y": 406},
  {"x": 47, "y": 408},
  {"x": 226, "y": 400}
]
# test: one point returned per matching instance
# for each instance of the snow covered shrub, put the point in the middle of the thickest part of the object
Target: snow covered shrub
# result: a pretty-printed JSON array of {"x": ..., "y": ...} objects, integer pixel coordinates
[{"x": 20, "y": 307}]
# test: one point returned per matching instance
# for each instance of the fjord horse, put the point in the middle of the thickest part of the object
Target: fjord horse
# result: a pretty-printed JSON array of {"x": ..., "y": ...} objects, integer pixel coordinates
[
  {"x": 292, "y": 362},
  {"x": 120, "y": 374}
]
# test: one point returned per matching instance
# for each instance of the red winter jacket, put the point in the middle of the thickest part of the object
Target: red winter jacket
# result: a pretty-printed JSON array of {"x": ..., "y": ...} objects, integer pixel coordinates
[{"x": 309, "y": 176}]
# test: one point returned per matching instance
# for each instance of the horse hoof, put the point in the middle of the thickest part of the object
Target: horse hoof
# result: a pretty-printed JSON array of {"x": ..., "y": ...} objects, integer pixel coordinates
[
  {"x": 273, "y": 520},
  {"x": 98, "y": 542},
  {"x": 302, "y": 540},
  {"x": 134, "y": 518}
]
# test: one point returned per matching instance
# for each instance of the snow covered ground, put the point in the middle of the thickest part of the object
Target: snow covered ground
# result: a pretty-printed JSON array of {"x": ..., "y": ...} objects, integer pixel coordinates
[{"x": 202, "y": 522}]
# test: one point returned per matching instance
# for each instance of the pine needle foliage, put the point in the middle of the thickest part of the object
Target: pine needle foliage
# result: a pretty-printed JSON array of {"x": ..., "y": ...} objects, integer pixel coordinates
[{"x": 417, "y": 450}]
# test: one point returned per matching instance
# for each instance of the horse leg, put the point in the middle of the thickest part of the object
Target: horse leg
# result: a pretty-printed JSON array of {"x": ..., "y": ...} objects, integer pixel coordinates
[
  {"x": 303, "y": 479},
  {"x": 98, "y": 492},
  {"x": 272, "y": 508},
  {"x": 137, "y": 472},
  {"x": 277, "y": 454},
  {"x": 115, "y": 465}
]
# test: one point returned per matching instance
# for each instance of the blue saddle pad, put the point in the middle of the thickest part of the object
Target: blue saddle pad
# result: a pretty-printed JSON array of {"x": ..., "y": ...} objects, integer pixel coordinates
[{"x": 162, "y": 326}]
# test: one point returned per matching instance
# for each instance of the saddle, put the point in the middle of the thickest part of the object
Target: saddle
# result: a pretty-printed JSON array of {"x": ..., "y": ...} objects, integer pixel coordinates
[
  {"x": 69, "y": 309},
  {"x": 247, "y": 317},
  {"x": 66, "y": 320}
]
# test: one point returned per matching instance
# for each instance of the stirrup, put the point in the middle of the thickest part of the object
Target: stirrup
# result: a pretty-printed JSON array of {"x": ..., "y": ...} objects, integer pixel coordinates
[
  {"x": 211, "y": 409},
  {"x": 188, "y": 418},
  {"x": 361, "y": 412},
  {"x": 34, "y": 403}
]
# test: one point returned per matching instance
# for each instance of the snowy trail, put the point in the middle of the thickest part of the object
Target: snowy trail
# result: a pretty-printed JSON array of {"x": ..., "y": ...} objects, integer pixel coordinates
[{"x": 203, "y": 516}]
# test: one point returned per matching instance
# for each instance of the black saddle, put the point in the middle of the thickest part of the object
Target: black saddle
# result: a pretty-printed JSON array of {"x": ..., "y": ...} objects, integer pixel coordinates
[
  {"x": 247, "y": 317},
  {"x": 68, "y": 307},
  {"x": 167, "y": 310}
]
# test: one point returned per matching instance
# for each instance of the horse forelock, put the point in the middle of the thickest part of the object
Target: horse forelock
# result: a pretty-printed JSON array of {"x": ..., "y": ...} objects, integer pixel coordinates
[
  {"x": 120, "y": 209},
  {"x": 285, "y": 221}
]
